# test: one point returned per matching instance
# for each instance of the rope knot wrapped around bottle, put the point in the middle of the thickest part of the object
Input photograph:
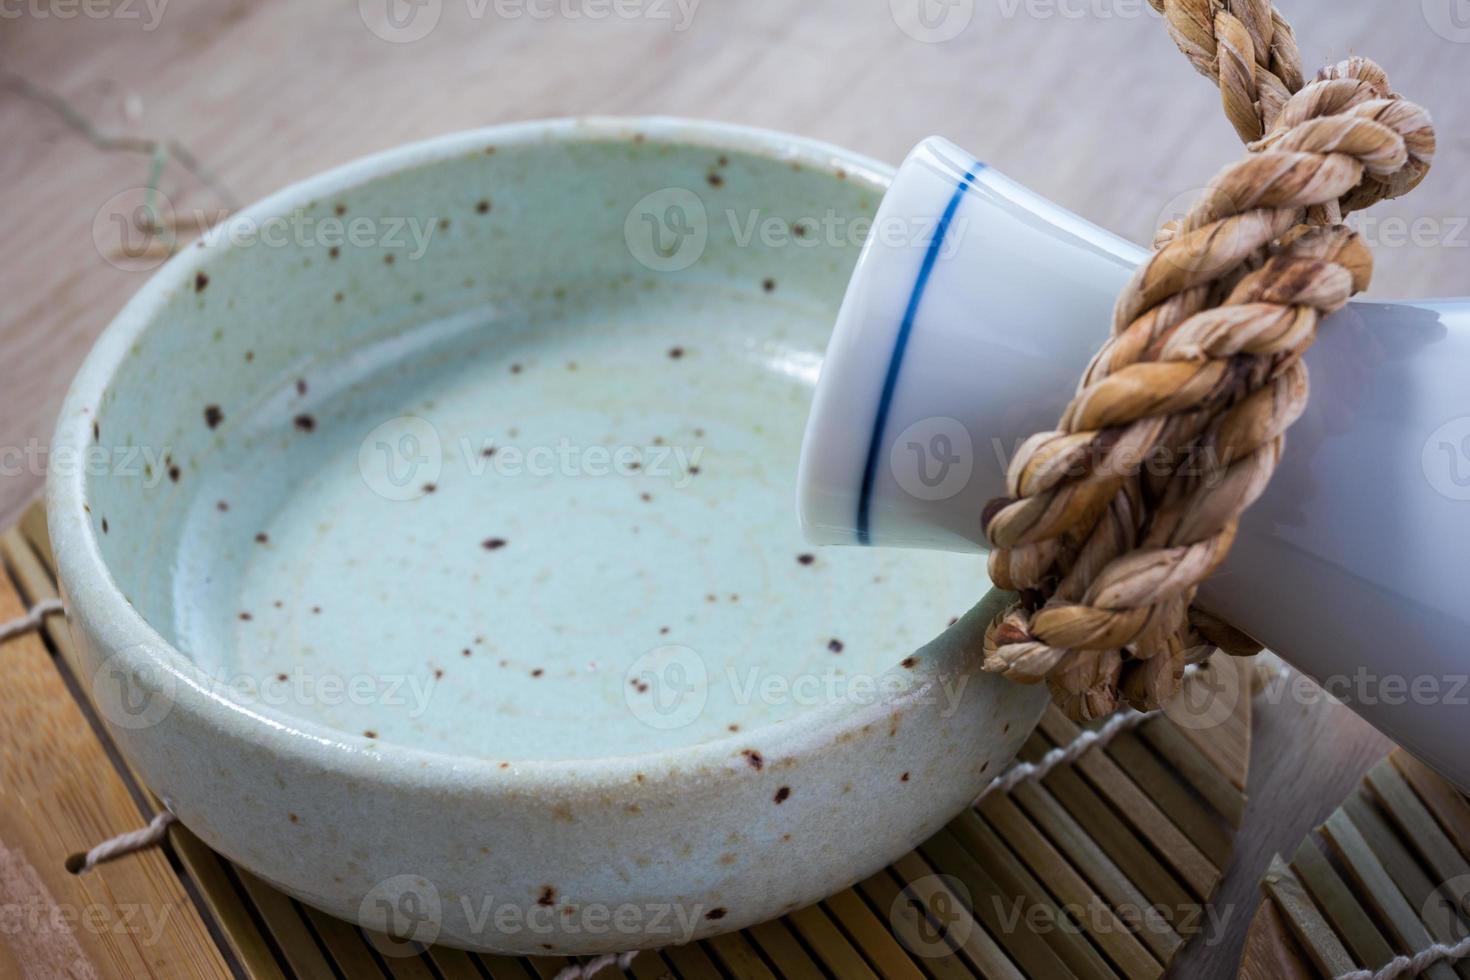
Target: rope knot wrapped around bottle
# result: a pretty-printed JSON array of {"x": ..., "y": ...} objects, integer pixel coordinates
[{"x": 1112, "y": 520}]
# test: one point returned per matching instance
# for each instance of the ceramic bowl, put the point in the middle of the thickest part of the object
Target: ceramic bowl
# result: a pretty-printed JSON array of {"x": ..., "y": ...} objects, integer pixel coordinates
[{"x": 432, "y": 550}]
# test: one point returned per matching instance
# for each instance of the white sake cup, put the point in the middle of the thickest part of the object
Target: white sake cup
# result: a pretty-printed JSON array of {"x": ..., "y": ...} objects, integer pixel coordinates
[{"x": 970, "y": 317}]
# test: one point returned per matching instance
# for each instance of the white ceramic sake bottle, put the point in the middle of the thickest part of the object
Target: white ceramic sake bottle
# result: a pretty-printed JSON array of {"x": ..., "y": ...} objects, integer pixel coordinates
[{"x": 970, "y": 317}]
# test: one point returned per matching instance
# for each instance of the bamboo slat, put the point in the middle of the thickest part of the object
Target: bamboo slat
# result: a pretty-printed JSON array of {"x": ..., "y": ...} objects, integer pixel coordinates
[
  {"x": 1305, "y": 922},
  {"x": 1355, "y": 927}
]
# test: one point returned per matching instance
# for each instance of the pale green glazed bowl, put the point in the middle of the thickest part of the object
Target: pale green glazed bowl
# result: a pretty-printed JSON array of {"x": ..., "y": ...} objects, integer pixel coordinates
[{"x": 445, "y": 573}]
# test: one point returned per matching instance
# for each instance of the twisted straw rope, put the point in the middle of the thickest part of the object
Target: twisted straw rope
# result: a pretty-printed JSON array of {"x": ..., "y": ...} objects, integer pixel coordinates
[{"x": 1115, "y": 518}]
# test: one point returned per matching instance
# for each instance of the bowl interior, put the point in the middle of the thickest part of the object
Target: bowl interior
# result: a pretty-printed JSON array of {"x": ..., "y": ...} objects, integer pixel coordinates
[{"x": 508, "y": 471}]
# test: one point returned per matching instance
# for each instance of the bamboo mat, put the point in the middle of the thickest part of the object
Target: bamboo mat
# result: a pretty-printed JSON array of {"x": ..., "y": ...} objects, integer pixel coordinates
[
  {"x": 1098, "y": 870},
  {"x": 1387, "y": 875}
]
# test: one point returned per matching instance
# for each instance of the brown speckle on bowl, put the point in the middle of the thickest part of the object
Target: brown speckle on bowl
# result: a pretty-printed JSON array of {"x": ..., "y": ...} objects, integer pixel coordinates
[
  {"x": 835, "y": 645},
  {"x": 715, "y": 914},
  {"x": 305, "y": 423},
  {"x": 754, "y": 759},
  {"x": 104, "y": 525},
  {"x": 389, "y": 259},
  {"x": 222, "y": 506},
  {"x": 483, "y": 207},
  {"x": 333, "y": 252},
  {"x": 537, "y": 672},
  {"x": 245, "y": 617},
  {"x": 782, "y": 795},
  {"x": 213, "y": 416},
  {"x": 96, "y": 432},
  {"x": 293, "y": 818},
  {"x": 675, "y": 353},
  {"x": 339, "y": 209},
  {"x": 370, "y": 734},
  {"x": 904, "y": 778},
  {"x": 430, "y": 487},
  {"x": 547, "y": 896},
  {"x": 283, "y": 677},
  {"x": 645, "y": 497},
  {"x": 174, "y": 473},
  {"x": 337, "y": 297},
  {"x": 715, "y": 180},
  {"x": 262, "y": 538},
  {"x": 805, "y": 558},
  {"x": 201, "y": 281},
  {"x": 493, "y": 544},
  {"x": 769, "y": 285},
  {"x": 516, "y": 369},
  {"x": 300, "y": 386},
  {"x": 908, "y": 663}
]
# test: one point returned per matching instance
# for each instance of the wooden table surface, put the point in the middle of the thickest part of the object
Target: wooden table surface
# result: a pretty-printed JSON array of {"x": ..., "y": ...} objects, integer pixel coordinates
[{"x": 1086, "y": 101}]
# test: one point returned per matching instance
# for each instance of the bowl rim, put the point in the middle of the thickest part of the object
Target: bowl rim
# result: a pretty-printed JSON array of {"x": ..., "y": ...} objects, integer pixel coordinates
[{"x": 95, "y": 603}]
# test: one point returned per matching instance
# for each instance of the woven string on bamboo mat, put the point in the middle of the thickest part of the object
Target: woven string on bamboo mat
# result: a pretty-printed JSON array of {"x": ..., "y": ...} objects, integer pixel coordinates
[
  {"x": 1099, "y": 864},
  {"x": 1203, "y": 364}
]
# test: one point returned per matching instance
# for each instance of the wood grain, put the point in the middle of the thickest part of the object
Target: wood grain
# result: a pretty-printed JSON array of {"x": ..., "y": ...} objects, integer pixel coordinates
[
  {"x": 1084, "y": 100},
  {"x": 59, "y": 794}
]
